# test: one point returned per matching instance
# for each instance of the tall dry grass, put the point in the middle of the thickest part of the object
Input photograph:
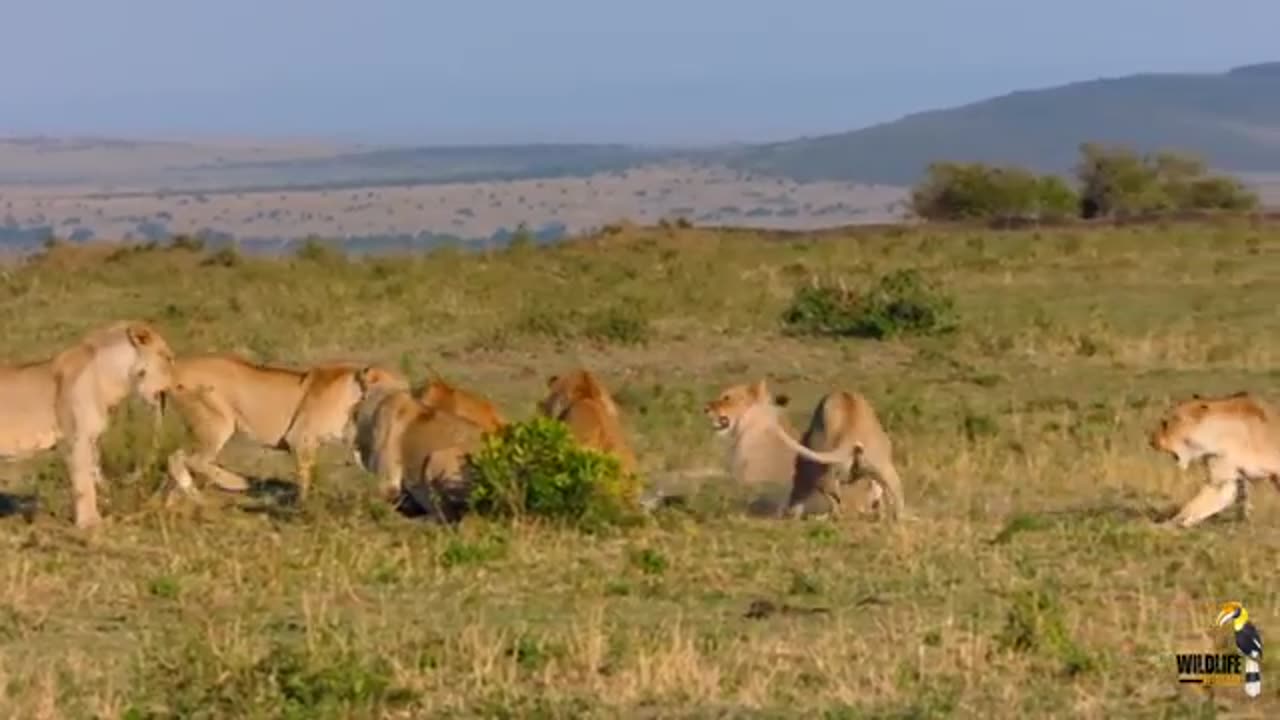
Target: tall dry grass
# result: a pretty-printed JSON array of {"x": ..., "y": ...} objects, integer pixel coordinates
[{"x": 1031, "y": 582}]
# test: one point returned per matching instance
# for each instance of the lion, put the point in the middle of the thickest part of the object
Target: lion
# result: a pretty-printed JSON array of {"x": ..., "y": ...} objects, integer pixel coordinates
[
  {"x": 1238, "y": 438},
  {"x": 69, "y": 397},
  {"x": 413, "y": 448},
  {"x": 581, "y": 401},
  {"x": 439, "y": 394},
  {"x": 843, "y": 426},
  {"x": 278, "y": 407}
]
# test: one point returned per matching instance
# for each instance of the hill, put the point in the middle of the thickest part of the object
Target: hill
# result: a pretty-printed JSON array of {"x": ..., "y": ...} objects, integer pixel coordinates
[{"x": 1232, "y": 119}]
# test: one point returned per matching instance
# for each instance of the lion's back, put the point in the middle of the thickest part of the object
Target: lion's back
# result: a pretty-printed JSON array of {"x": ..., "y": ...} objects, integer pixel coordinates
[{"x": 28, "y": 417}]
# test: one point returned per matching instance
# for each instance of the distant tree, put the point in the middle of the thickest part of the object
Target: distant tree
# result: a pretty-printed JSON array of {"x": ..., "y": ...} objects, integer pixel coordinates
[
  {"x": 1056, "y": 200},
  {"x": 1114, "y": 181},
  {"x": 1117, "y": 181},
  {"x": 967, "y": 191}
]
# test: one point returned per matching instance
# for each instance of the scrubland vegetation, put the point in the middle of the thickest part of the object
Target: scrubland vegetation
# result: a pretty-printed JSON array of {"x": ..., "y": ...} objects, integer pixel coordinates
[
  {"x": 1112, "y": 181},
  {"x": 1017, "y": 371}
]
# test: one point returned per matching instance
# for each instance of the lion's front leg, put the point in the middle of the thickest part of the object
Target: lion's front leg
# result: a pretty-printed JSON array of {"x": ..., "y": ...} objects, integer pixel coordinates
[
  {"x": 1221, "y": 490},
  {"x": 81, "y": 459}
]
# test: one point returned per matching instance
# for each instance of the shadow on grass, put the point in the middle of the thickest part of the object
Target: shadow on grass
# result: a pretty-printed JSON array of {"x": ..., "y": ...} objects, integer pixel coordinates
[
  {"x": 1118, "y": 511},
  {"x": 19, "y": 505}
]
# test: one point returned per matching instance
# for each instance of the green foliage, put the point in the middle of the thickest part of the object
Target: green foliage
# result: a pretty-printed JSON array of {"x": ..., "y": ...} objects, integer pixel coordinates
[
  {"x": 1218, "y": 193},
  {"x": 1117, "y": 181},
  {"x": 1114, "y": 181},
  {"x": 288, "y": 681},
  {"x": 902, "y": 302},
  {"x": 1036, "y": 623},
  {"x": 536, "y": 468},
  {"x": 620, "y": 325},
  {"x": 968, "y": 191}
]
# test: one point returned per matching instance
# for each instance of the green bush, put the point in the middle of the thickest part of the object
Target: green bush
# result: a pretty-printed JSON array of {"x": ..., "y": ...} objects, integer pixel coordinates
[
  {"x": 1117, "y": 181},
  {"x": 536, "y": 468},
  {"x": 621, "y": 325},
  {"x": 900, "y": 303},
  {"x": 968, "y": 191}
]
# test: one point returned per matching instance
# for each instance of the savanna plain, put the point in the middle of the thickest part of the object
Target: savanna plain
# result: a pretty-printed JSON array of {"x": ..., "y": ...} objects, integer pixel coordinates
[{"x": 1030, "y": 580}]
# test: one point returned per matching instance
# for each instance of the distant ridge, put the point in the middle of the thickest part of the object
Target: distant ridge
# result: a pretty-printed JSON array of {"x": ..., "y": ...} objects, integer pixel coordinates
[{"x": 1231, "y": 119}]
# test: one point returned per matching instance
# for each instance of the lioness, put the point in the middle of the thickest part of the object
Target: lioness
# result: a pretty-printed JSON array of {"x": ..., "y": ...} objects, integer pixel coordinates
[
  {"x": 761, "y": 447},
  {"x": 1237, "y": 437},
  {"x": 581, "y": 401},
  {"x": 439, "y": 394},
  {"x": 411, "y": 447},
  {"x": 69, "y": 398},
  {"x": 283, "y": 408}
]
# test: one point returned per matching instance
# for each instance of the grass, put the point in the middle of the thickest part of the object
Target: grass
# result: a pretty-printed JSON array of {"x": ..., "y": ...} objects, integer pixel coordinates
[{"x": 1032, "y": 582}]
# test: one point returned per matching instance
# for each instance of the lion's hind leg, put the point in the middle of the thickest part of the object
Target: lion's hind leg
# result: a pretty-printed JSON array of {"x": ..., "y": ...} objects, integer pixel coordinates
[
  {"x": 212, "y": 424},
  {"x": 441, "y": 487},
  {"x": 885, "y": 477}
]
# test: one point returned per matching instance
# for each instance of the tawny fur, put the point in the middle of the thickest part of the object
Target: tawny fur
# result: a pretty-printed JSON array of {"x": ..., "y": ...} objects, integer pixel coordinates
[
  {"x": 762, "y": 447},
  {"x": 439, "y": 394},
  {"x": 844, "y": 429},
  {"x": 283, "y": 408},
  {"x": 414, "y": 448},
  {"x": 582, "y": 402},
  {"x": 1238, "y": 439},
  {"x": 69, "y": 398}
]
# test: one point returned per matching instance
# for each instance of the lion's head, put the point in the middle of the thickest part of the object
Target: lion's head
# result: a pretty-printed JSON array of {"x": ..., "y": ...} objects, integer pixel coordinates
[
  {"x": 371, "y": 377},
  {"x": 151, "y": 371},
  {"x": 568, "y": 388},
  {"x": 727, "y": 410},
  {"x": 1184, "y": 432},
  {"x": 439, "y": 394}
]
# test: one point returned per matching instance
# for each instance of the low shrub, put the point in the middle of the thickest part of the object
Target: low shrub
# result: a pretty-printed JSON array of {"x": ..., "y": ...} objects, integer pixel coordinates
[
  {"x": 899, "y": 303},
  {"x": 536, "y": 468}
]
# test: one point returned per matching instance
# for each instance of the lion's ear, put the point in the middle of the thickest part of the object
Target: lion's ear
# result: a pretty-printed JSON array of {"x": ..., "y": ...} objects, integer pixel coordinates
[
  {"x": 140, "y": 335},
  {"x": 552, "y": 380},
  {"x": 1195, "y": 396},
  {"x": 368, "y": 376},
  {"x": 782, "y": 400}
]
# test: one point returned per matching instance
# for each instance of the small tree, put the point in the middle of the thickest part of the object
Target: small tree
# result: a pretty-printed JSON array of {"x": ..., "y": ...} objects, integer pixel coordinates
[
  {"x": 1056, "y": 200},
  {"x": 968, "y": 191},
  {"x": 1117, "y": 181}
]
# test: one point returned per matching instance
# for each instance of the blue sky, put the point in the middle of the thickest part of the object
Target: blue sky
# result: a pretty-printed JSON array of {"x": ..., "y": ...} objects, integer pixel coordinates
[{"x": 577, "y": 70}]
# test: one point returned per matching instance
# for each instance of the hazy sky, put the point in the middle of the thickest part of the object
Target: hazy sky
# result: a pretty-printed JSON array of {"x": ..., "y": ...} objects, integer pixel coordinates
[{"x": 589, "y": 70}]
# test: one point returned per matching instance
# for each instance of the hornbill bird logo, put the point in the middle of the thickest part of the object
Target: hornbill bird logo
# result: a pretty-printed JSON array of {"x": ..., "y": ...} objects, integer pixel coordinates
[{"x": 1248, "y": 642}]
